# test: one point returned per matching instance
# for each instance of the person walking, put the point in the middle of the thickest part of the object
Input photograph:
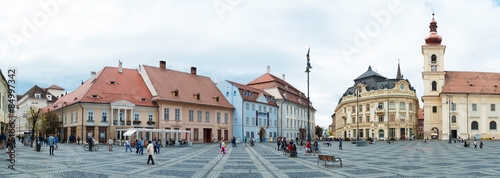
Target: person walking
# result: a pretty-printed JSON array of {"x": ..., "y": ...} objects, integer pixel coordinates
[
  {"x": 78, "y": 139},
  {"x": 137, "y": 146},
  {"x": 475, "y": 144},
  {"x": 142, "y": 146},
  {"x": 127, "y": 146},
  {"x": 279, "y": 143},
  {"x": 316, "y": 149},
  {"x": 158, "y": 145},
  {"x": 154, "y": 145},
  {"x": 481, "y": 145},
  {"x": 150, "y": 150},
  {"x": 308, "y": 148},
  {"x": 110, "y": 142},
  {"x": 245, "y": 141},
  {"x": 90, "y": 141},
  {"x": 51, "y": 143},
  {"x": 340, "y": 144},
  {"x": 222, "y": 146},
  {"x": 234, "y": 142},
  {"x": 56, "y": 140}
]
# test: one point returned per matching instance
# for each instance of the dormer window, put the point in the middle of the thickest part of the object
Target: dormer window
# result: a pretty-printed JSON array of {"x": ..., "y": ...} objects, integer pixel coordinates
[
  {"x": 245, "y": 93},
  {"x": 37, "y": 95},
  {"x": 95, "y": 96},
  {"x": 175, "y": 92},
  {"x": 144, "y": 99},
  {"x": 216, "y": 98},
  {"x": 113, "y": 82},
  {"x": 251, "y": 95},
  {"x": 49, "y": 97},
  {"x": 196, "y": 95}
]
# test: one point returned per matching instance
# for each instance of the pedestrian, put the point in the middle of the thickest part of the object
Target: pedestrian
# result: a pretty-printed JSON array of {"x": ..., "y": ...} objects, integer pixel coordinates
[
  {"x": 154, "y": 145},
  {"x": 70, "y": 138},
  {"x": 142, "y": 146},
  {"x": 110, "y": 142},
  {"x": 308, "y": 148},
  {"x": 245, "y": 141},
  {"x": 137, "y": 146},
  {"x": 78, "y": 139},
  {"x": 475, "y": 144},
  {"x": 222, "y": 146},
  {"x": 481, "y": 145},
  {"x": 90, "y": 142},
  {"x": 150, "y": 151},
  {"x": 296, "y": 140},
  {"x": 234, "y": 142},
  {"x": 316, "y": 149},
  {"x": 158, "y": 145},
  {"x": 56, "y": 141},
  {"x": 340, "y": 144},
  {"x": 127, "y": 144},
  {"x": 279, "y": 142},
  {"x": 51, "y": 141}
]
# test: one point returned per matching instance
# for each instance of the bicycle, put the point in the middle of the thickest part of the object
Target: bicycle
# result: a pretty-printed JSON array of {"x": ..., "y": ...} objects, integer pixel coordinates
[{"x": 94, "y": 147}]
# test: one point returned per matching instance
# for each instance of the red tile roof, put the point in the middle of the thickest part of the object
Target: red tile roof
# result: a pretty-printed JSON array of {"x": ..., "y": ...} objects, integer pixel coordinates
[
  {"x": 471, "y": 82},
  {"x": 257, "y": 93},
  {"x": 37, "y": 90},
  {"x": 55, "y": 87},
  {"x": 165, "y": 81},
  {"x": 270, "y": 81},
  {"x": 128, "y": 86},
  {"x": 421, "y": 113}
]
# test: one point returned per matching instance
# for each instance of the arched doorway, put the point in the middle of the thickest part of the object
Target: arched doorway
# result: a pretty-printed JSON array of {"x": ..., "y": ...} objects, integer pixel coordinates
[
  {"x": 262, "y": 134},
  {"x": 434, "y": 133},
  {"x": 381, "y": 134}
]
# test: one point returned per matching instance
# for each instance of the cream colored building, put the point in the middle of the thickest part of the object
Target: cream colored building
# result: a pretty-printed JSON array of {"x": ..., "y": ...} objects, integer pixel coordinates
[
  {"x": 4, "y": 119},
  {"x": 36, "y": 98},
  {"x": 387, "y": 108},
  {"x": 456, "y": 103}
]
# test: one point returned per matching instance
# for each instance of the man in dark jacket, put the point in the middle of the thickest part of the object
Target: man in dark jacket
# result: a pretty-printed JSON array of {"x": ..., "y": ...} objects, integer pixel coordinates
[{"x": 90, "y": 142}]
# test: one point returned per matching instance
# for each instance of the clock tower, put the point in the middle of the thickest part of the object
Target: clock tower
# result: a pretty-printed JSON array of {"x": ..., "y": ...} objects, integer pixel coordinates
[{"x": 434, "y": 78}]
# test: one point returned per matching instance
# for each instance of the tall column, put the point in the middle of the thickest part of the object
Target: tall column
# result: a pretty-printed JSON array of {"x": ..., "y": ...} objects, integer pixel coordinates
[
  {"x": 112, "y": 116},
  {"x": 176, "y": 136},
  {"x": 132, "y": 116},
  {"x": 125, "y": 116}
]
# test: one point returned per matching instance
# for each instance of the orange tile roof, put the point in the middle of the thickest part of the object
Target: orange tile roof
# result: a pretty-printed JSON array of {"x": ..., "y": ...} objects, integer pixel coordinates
[
  {"x": 55, "y": 87},
  {"x": 270, "y": 81},
  {"x": 421, "y": 113},
  {"x": 257, "y": 93},
  {"x": 129, "y": 86},
  {"x": 471, "y": 82},
  {"x": 165, "y": 81}
]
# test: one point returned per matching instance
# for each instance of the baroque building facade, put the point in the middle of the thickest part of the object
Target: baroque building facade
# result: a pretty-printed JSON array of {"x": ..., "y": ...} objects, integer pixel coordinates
[
  {"x": 385, "y": 108},
  {"x": 457, "y": 103}
]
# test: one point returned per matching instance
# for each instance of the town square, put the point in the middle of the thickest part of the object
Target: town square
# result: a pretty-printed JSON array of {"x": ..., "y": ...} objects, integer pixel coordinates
[{"x": 235, "y": 88}]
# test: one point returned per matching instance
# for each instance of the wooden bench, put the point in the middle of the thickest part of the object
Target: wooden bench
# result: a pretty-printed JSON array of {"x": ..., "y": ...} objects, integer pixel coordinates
[
  {"x": 327, "y": 143},
  {"x": 291, "y": 153},
  {"x": 329, "y": 158}
]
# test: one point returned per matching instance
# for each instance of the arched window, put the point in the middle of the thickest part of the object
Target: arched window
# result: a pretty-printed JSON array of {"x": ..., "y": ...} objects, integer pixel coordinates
[
  {"x": 433, "y": 58},
  {"x": 434, "y": 85},
  {"x": 381, "y": 134},
  {"x": 227, "y": 94},
  {"x": 474, "y": 125},
  {"x": 493, "y": 125},
  {"x": 453, "y": 119}
]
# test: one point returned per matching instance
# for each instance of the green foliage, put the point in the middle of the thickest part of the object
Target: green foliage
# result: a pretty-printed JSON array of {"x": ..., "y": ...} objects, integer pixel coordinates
[
  {"x": 50, "y": 123},
  {"x": 318, "y": 131},
  {"x": 392, "y": 139}
]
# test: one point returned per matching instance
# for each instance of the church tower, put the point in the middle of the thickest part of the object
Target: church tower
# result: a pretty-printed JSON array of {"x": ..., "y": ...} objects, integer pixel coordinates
[{"x": 434, "y": 78}]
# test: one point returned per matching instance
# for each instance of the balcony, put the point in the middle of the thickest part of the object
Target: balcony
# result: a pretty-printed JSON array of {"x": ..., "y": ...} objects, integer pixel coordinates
[
  {"x": 104, "y": 123},
  {"x": 90, "y": 122},
  {"x": 137, "y": 123}
]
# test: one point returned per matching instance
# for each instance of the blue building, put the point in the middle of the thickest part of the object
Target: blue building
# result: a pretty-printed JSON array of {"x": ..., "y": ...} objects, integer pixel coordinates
[{"x": 255, "y": 115}]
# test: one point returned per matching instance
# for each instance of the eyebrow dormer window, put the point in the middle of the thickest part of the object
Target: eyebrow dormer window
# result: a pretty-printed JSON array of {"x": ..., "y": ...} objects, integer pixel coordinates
[
  {"x": 216, "y": 98},
  {"x": 196, "y": 95},
  {"x": 95, "y": 96},
  {"x": 175, "y": 92},
  {"x": 144, "y": 99},
  {"x": 113, "y": 82}
]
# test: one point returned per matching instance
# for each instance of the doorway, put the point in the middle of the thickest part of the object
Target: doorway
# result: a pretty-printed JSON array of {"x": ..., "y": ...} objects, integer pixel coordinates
[
  {"x": 402, "y": 134},
  {"x": 226, "y": 135},
  {"x": 102, "y": 134},
  {"x": 453, "y": 133},
  {"x": 262, "y": 135},
  {"x": 207, "y": 135}
]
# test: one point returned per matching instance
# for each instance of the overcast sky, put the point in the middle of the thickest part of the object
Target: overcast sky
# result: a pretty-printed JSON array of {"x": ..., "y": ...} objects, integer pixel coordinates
[{"x": 62, "y": 42}]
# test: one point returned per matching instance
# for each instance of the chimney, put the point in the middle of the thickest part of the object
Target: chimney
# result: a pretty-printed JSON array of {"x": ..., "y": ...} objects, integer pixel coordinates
[
  {"x": 216, "y": 81},
  {"x": 193, "y": 70},
  {"x": 268, "y": 69},
  {"x": 92, "y": 76},
  {"x": 163, "y": 64},
  {"x": 120, "y": 67},
  {"x": 283, "y": 77}
]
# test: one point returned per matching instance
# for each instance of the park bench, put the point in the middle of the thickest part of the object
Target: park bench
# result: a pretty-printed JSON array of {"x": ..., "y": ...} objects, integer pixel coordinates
[
  {"x": 329, "y": 158},
  {"x": 327, "y": 143},
  {"x": 291, "y": 153}
]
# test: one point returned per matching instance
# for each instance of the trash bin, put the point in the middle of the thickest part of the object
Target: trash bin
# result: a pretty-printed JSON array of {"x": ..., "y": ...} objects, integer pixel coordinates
[{"x": 38, "y": 146}]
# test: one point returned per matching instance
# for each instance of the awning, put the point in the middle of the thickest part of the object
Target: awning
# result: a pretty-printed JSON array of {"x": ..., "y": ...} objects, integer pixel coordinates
[{"x": 129, "y": 132}]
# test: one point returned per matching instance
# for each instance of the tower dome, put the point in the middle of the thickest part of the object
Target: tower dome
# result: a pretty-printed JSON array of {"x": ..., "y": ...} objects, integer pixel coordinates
[{"x": 433, "y": 38}]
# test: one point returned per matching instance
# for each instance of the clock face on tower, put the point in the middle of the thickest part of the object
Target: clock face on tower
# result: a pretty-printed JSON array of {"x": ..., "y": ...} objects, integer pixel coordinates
[{"x": 433, "y": 68}]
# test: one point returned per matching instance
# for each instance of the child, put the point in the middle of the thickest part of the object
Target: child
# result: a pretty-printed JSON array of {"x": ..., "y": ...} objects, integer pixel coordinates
[{"x": 222, "y": 146}]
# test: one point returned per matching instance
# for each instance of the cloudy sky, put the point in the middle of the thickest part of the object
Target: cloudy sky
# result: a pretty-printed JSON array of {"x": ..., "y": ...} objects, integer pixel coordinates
[{"x": 60, "y": 42}]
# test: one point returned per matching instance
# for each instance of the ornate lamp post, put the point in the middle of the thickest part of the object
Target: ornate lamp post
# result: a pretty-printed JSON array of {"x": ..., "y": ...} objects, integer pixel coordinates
[
  {"x": 308, "y": 102},
  {"x": 449, "y": 102}
]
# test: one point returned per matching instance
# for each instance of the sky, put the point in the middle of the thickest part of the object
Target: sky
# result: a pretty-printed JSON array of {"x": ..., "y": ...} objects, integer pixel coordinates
[{"x": 59, "y": 43}]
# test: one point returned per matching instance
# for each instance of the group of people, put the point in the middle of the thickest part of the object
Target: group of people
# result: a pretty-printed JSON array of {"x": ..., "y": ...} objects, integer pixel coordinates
[
  {"x": 465, "y": 143},
  {"x": 282, "y": 142},
  {"x": 140, "y": 144}
]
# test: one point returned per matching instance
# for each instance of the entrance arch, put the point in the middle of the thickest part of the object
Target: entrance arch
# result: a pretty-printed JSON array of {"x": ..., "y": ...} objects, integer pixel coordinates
[{"x": 262, "y": 134}]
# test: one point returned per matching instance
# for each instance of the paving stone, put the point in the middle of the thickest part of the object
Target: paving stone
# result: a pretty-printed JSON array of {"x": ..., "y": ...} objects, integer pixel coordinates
[
  {"x": 246, "y": 175},
  {"x": 306, "y": 174},
  {"x": 77, "y": 173}
]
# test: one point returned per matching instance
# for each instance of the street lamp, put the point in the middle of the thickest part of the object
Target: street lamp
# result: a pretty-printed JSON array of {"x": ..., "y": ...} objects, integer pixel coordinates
[
  {"x": 308, "y": 102},
  {"x": 449, "y": 102}
]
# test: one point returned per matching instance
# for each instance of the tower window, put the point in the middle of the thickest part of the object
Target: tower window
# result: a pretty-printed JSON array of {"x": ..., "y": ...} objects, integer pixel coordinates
[
  {"x": 434, "y": 85},
  {"x": 433, "y": 59},
  {"x": 434, "y": 109}
]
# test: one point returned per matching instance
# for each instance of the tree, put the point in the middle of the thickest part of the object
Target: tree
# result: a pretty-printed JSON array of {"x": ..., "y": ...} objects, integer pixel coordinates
[
  {"x": 33, "y": 118},
  {"x": 50, "y": 123},
  {"x": 329, "y": 132},
  {"x": 318, "y": 131}
]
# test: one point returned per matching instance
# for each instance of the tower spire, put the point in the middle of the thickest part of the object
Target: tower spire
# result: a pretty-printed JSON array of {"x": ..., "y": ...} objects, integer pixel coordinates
[{"x": 398, "y": 75}]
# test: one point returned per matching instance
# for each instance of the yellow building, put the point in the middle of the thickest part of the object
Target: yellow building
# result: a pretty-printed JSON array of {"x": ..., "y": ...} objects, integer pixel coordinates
[
  {"x": 387, "y": 108},
  {"x": 4, "y": 88},
  {"x": 456, "y": 103}
]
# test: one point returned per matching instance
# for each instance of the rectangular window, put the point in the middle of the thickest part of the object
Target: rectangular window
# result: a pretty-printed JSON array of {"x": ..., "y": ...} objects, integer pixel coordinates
[
  {"x": 247, "y": 106},
  {"x": 207, "y": 117},
  {"x": 353, "y": 120},
  {"x": 402, "y": 105},
  {"x": 218, "y": 117},
  {"x": 121, "y": 116},
  {"x": 402, "y": 117},
  {"x": 253, "y": 107},
  {"x": 260, "y": 121},
  {"x": 367, "y": 118},
  {"x": 137, "y": 116},
  {"x": 150, "y": 117},
  {"x": 265, "y": 109},
  {"x": 177, "y": 114},
  {"x": 360, "y": 108},
  {"x": 76, "y": 116},
  {"x": 253, "y": 121},
  {"x": 367, "y": 107},
  {"x": 226, "y": 117},
  {"x": 191, "y": 115},
  {"x": 492, "y": 107},
  {"x": 90, "y": 116},
  {"x": 392, "y": 132},
  {"x": 103, "y": 119},
  {"x": 167, "y": 114},
  {"x": 380, "y": 118},
  {"x": 453, "y": 106},
  {"x": 410, "y": 106},
  {"x": 392, "y": 118},
  {"x": 65, "y": 118},
  {"x": 434, "y": 109},
  {"x": 392, "y": 105},
  {"x": 199, "y": 116},
  {"x": 71, "y": 118},
  {"x": 360, "y": 119},
  {"x": 380, "y": 106},
  {"x": 247, "y": 121},
  {"x": 474, "y": 107},
  {"x": 260, "y": 108},
  {"x": 195, "y": 134}
]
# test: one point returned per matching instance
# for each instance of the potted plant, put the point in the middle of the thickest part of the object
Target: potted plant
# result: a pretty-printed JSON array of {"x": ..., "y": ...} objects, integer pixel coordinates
[
  {"x": 392, "y": 139},
  {"x": 151, "y": 122},
  {"x": 137, "y": 122},
  {"x": 128, "y": 122}
]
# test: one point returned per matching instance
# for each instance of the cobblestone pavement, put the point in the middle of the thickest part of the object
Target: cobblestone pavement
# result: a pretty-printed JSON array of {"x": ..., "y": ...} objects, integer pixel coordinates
[{"x": 400, "y": 159}]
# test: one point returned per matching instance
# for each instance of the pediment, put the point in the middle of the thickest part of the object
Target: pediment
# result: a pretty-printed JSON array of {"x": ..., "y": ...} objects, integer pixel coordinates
[{"x": 122, "y": 103}]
